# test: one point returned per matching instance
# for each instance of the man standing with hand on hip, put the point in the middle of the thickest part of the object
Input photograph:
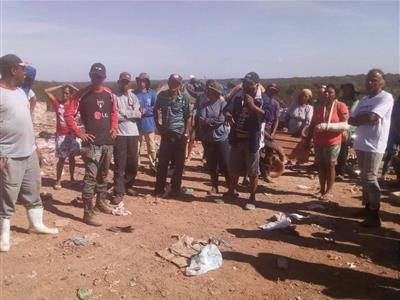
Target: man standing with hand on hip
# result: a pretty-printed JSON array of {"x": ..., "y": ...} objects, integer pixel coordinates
[
  {"x": 19, "y": 164},
  {"x": 97, "y": 107}
]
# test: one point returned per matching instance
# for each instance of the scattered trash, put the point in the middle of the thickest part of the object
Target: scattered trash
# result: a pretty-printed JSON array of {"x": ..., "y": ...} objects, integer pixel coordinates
[
  {"x": 126, "y": 229},
  {"x": 187, "y": 191},
  {"x": 96, "y": 281},
  {"x": 334, "y": 257},
  {"x": 33, "y": 274},
  {"x": 351, "y": 265},
  {"x": 219, "y": 242},
  {"x": 316, "y": 206},
  {"x": 180, "y": 252},
  {"x": 120, "y": 210},
  {"x": 282, "y": 263},
  {"x": 282, "y": 220},
  {"x": 354, "y": 189},
  {"x": 207, "y": 259},
  {"x": 330, "y": 240},
  {"x": 84, "y": 293},
  {"x": 46, "y": 134},
  {"x": 78, "y": 241},
  {"x": 303, "y": 187},
  {"x": 268, "y": 194},
  {"x": 61, "y": 222}
]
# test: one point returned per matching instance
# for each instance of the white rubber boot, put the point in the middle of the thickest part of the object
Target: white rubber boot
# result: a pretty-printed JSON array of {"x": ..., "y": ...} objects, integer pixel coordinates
[
  {"x": 35, "y": 216},
  {"x": 5, "y": 235}
]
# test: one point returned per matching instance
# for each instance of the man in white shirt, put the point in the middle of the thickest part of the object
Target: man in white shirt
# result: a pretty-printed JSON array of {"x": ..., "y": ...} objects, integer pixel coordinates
[
  {"x": 19, "y": 164},
  {"x": 372, "y": 118}
]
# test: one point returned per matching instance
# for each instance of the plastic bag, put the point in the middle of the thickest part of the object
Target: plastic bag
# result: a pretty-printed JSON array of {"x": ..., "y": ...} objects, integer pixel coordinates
[{"x": 207, "y": 259}]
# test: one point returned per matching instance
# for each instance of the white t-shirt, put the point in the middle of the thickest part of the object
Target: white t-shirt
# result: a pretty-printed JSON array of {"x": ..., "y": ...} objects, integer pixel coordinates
[
  {"x": 17, "y": 138},
  {"x": 31, "y": 94},
  {"x": 374, "y": 138}
]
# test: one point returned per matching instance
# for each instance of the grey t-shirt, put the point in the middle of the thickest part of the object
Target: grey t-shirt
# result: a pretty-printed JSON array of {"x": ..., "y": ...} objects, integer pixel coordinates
[
  {"x": 17, "y": 138},
  {"x": 128, "y": 114},
  {"x": 215, "y": 129}
]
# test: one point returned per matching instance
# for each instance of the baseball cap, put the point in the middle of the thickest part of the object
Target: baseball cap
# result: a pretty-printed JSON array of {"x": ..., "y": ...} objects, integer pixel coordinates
[
  {"x": 215, "y": 86},
  {"x": 143, "y": 76},
  {"x": 98, "y": 69},
  {"x": 125, "y": 76},
  {"x": 251, "y": 77},
  {"x": 176, "y": 77},
  {"x": 9, "y": 61},
  {"x": 30, "y": 72}
]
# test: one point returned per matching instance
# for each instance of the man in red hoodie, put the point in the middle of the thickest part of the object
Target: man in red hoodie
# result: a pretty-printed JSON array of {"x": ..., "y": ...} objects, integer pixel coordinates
[{"x": 97, "y": 107}]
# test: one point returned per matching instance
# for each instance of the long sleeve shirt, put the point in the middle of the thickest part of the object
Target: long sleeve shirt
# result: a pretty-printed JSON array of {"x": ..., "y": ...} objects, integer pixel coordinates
[
  {"x": 215, "y": 129},
  {"x": 98, "y": 112},
  {"x": 128, "y": 114}
]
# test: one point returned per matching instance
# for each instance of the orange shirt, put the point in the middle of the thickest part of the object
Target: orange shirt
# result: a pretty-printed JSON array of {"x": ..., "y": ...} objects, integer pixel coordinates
[{"x": 321, "y": 115}]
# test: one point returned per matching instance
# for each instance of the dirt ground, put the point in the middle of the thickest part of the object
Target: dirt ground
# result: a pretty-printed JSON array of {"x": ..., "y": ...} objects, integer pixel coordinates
[{"x": 328, "y": 255}]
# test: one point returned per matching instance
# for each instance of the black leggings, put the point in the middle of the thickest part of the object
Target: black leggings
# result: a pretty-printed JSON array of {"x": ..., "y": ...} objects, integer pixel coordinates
[{"x": 217, "y": 160}]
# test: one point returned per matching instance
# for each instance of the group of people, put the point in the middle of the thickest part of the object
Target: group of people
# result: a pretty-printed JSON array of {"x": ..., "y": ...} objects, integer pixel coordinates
[{"x": 233, "y": 126}]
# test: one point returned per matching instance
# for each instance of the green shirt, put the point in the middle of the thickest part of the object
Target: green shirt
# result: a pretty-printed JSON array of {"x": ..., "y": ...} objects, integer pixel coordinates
[{"x": 174, "y": 111}]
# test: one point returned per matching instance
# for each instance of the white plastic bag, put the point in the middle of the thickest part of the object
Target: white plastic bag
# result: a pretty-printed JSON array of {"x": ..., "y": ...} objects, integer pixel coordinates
[{"x": 207, "y": 259}]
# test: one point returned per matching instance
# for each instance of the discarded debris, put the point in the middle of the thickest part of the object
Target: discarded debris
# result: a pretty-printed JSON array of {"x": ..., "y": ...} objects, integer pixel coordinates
[
  {"x": 77, "y": 241},
  {"x": 351, "y": 265},
  {"x": 334, "y": 257},
  {"x": 84, "y": 293},
  {"x": 303, "y": 187},
  {"x": 188, "y": 191},
  {"x": 180, "y": 252},
  {"x": 33, "y": 274},
  {"x": 330, "y": 240},
  {"x": 282, "y": 220},
  {"x": 121, "y": 210},
  {"x": 46, "y": 134},
  {"x": 126, "y": 229},
  {"x": 207, "y": 259},
  {"x": 282, "y": 263}
]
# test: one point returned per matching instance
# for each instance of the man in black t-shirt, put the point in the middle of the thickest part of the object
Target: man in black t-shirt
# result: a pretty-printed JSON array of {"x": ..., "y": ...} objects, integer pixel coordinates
[{"x": 96, "y": 105}]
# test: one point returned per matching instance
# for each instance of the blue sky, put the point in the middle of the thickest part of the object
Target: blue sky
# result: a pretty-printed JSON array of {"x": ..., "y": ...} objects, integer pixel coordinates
[{"x": 207, "y": 39}]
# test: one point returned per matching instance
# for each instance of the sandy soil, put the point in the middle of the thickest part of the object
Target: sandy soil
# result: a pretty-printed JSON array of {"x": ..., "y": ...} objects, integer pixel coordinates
[{"x": 328, "y": 254}]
